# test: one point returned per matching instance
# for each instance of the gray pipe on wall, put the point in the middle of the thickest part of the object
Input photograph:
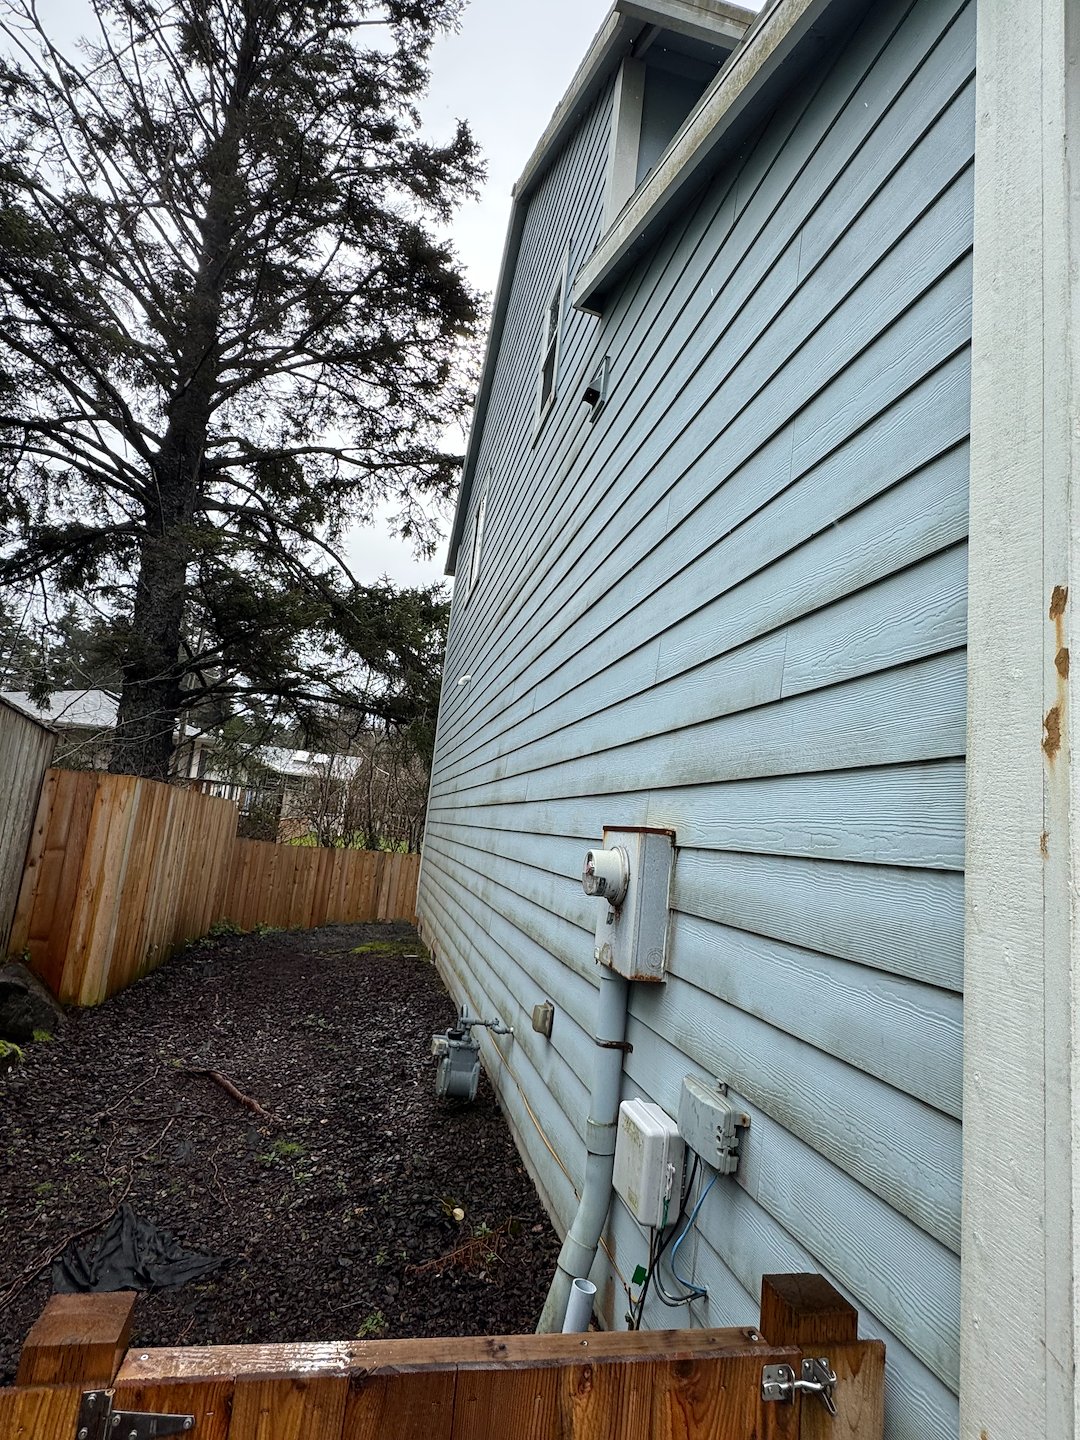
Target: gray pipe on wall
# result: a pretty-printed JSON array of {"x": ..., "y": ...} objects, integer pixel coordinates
[{"x": 579, "y": 1248}]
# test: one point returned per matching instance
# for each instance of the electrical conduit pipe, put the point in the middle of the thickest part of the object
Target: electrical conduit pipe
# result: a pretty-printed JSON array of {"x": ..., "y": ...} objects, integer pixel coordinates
[
  {"x": 579, "y": 1307},
  {"x": 579, "y": 1248}
]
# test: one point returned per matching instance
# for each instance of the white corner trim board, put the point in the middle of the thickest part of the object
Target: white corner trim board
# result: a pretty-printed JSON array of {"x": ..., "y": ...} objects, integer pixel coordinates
[{"x": 1022, "y": 1046}]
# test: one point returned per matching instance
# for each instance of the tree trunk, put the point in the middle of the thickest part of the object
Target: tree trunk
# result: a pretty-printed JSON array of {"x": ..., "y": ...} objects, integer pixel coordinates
[{"x": 151, "y": 693}]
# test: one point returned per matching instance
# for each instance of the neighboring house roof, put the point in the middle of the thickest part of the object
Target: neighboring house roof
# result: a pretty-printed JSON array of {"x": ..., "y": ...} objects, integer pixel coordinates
[
  {"x": 308, "y": 764},
  {"x": 97, "y": 709},
  {"x": 69, "y": 709},
  {"x": 771, "y": 49}
]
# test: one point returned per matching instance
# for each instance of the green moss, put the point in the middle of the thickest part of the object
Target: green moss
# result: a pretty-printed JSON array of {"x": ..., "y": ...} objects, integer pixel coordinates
[{"x": 392, "y": 947}]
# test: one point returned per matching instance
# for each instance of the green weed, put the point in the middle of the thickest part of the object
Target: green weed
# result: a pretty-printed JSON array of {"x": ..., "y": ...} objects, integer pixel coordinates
[{"x": 372, "y": 1326}]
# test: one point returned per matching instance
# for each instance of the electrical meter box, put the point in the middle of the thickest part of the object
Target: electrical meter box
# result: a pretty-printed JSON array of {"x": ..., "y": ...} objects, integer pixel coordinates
[
  {"x": 631, "y": 877},
  {"x": 648, "y": 1171}
]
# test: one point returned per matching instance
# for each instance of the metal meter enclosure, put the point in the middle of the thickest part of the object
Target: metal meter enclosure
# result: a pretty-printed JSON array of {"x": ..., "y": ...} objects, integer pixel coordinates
[
  {"x": 648, "y": 1170},
  {"x": 457, "y": 1074},
  {"x": 631, "y": 931}
]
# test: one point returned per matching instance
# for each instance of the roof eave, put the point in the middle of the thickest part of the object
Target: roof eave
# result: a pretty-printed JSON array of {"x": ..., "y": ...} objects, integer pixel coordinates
[{"x": 748, "y": 76}]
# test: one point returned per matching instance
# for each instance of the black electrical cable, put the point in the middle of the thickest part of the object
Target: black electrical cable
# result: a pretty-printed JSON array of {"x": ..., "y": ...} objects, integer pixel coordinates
[{"x": 655, "y": 1255}]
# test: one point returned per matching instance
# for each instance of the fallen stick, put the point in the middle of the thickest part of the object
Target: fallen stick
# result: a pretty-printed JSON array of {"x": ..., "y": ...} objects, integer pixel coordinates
[
  {"x": 102, "y": 1114},
  {"x": 238, "y": 1095}
]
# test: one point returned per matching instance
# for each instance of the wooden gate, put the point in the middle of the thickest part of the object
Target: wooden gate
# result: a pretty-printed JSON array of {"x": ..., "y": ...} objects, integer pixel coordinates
[{"x": 641, "y": 1385}]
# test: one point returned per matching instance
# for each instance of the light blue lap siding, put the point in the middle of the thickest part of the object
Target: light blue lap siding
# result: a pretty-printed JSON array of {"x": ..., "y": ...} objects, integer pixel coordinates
[{"x": 735, "y": 605}]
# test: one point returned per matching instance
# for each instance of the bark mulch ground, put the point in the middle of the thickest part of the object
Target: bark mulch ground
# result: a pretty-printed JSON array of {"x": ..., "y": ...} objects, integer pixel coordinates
[{"x": 372, "y": 1209}]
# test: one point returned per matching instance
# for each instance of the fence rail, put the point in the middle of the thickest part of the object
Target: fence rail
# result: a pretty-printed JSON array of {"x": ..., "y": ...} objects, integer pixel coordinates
[
  {"x": 26, "y": 748},
  {"x": 622, "y": 1385},
  {"x": 121, "y": 872}
]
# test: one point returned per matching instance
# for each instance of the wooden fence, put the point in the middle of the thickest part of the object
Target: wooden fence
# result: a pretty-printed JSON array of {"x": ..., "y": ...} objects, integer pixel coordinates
[
  {"x": 76, "y": 1374},
  {"x": 121, "y": 872},
  {"x": 26, "y": 748}
]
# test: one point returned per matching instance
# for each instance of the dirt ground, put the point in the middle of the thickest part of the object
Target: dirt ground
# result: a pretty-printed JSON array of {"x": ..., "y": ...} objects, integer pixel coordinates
[{"x": 339, "y": 1221}]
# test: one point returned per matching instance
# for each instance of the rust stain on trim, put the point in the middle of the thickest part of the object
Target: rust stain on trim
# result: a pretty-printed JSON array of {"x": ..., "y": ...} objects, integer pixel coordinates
[
  {"x": 1052, "y": 725},
  {"x": 1044, "y": 845}
]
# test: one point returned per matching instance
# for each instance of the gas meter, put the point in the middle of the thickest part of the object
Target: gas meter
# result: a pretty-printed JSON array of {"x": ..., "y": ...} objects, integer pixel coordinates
[{"x": 458, "y": 1053}]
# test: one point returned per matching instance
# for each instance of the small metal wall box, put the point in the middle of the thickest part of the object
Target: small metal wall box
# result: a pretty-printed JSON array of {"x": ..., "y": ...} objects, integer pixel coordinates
[
  {"x": 543, "y": 1017},
  {"x": 631, "y": 875}
]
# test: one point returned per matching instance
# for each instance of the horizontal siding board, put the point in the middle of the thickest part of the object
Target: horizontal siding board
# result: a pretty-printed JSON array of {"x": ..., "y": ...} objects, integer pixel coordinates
[
  {"x": 900, "y": 815},
  {"x": 914, "y": 712},
  {"x": 900, "y": 490},
  {"x": 903, "y": 365},
  {"x": 907, "y": 922},
  {"x": 908, "y": 1034},
  {"x": 719, "y": 285},
  {"x": 916, "y": 613}
]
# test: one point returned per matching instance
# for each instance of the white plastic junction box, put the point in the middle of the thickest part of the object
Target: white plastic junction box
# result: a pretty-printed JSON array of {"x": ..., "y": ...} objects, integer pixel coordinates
[{"x": 648, "y": 1171}]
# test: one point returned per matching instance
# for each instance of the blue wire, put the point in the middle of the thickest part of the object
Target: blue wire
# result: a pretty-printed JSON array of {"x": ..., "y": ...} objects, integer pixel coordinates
[{"x": 689, "y": 1284}]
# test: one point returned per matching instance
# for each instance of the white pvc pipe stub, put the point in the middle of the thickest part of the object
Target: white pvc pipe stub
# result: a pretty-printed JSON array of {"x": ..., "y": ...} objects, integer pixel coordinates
[{"x": 579, "y": 1307}]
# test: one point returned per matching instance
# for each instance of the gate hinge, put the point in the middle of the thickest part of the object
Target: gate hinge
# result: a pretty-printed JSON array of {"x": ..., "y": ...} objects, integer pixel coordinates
[
  {"x": 99, "y": 1421},
  {"x": 778, "y": 1382}
]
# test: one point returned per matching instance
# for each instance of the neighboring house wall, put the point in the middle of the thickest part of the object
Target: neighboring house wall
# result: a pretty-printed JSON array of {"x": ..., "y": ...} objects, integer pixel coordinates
[
  {"x": 735, "y": 605},
  {"x": 26, "y": 748}
]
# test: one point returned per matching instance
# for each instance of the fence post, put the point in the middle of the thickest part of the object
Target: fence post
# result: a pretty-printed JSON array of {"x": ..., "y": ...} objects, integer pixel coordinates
[
  {"x": 78, "y": 1339},
  {"x": 805, "y": 1310}
]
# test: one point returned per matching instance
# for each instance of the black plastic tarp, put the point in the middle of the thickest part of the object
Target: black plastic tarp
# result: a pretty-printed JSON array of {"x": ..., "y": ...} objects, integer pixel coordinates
[{"x": 129, "y": 1254}]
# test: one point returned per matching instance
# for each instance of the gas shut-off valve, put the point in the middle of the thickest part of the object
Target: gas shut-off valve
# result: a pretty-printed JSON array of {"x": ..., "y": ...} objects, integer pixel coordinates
[{"x": 458, "y": 1072}]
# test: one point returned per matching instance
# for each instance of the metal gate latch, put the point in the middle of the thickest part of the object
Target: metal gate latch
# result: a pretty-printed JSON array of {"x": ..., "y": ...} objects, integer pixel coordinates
[
  {"x": 778, "y": 1382},
  {"x": 99, "y": 1421}
]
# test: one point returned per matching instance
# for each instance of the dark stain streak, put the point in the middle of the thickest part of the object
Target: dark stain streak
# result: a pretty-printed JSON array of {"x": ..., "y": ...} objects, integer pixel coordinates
[
  {"x": 1061, "y": 660},
  {"x": 1044, "y": 845},
  {"x": 1058, "y": 600},
  {"x": 1052, "y": 725}
]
